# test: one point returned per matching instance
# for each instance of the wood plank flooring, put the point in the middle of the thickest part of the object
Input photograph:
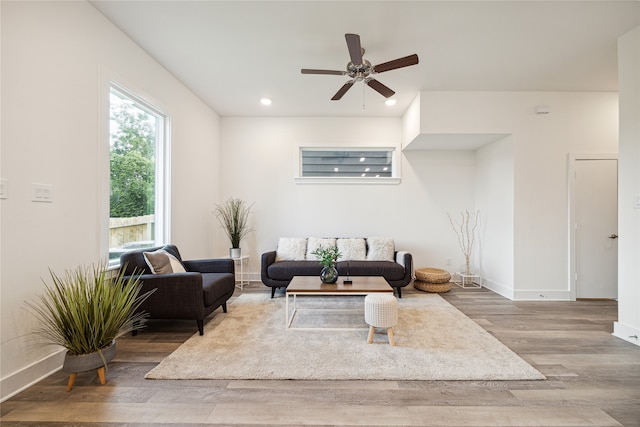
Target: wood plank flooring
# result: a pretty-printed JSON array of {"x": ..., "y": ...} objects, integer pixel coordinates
[{"x": 593, "y": 380}]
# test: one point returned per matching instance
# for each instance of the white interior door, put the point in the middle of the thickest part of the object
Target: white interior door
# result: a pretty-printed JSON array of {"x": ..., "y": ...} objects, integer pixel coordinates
[{"x": 596, "y": 205}]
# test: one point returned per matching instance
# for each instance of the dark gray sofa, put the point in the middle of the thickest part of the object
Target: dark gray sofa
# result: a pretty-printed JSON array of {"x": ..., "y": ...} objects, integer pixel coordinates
[
  {"x": 207, "y": 285},
  {"x": 278, "y": 274}
]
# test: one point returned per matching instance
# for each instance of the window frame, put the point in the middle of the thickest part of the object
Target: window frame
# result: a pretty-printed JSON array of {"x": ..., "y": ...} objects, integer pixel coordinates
[
  {"x": 162, "y": 206},
  {"x": 394, "y": 179}
]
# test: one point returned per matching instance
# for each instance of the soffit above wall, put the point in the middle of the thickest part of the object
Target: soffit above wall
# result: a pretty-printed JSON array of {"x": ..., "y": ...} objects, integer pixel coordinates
[{"x": 452, "y": 141}]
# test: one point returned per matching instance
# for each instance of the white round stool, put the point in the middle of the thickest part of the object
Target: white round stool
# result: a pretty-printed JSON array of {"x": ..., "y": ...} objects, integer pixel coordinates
[{"x": 381, "y": 311}]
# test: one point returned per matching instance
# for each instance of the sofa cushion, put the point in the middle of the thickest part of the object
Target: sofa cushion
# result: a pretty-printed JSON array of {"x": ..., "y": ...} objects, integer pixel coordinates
[
  {"x": 352, "y": 249},
  {"x": 291, "y": 249},
  {"x": 314, "y": 243},
  {"x": 216, "y": 286},
  {"x": 163, "y": 262},
  {"x": 380, "y": 249},
  {"x": 285, "y": 270},
  {"x": 388, "y": 269}
]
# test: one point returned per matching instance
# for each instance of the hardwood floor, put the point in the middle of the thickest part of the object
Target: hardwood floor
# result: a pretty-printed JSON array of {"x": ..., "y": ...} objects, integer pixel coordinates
[{"x": 593, "y": 380}]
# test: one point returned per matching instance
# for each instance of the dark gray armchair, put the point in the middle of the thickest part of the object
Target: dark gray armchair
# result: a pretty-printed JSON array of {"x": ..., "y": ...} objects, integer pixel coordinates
[{"x": 207, "y": 285}]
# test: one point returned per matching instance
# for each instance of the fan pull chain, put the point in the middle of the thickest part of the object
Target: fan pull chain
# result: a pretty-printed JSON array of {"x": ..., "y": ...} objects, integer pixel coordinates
[{"x": 363, "y": 106}]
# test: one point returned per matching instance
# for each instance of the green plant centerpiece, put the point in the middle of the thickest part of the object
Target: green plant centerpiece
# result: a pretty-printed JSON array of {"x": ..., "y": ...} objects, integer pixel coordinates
[
  {"x": 234, "y": 219},
  {"x": 84, "y": 311},
  {"x": 328, "y": 257}
]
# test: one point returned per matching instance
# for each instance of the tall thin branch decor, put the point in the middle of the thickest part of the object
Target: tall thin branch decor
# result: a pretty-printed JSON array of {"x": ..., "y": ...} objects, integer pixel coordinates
[{"x": 466, "y": 232}]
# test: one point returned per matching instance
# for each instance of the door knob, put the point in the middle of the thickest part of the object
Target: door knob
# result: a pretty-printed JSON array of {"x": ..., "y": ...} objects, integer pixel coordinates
[{"x": 613, "y": 236}]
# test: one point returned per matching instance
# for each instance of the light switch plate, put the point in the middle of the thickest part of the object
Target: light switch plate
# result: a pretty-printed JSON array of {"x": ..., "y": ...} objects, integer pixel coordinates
[
  {"x": 636, "y": 203},
  {"x": 4, "y": 188},
  {"x": 42, "y": 193}
]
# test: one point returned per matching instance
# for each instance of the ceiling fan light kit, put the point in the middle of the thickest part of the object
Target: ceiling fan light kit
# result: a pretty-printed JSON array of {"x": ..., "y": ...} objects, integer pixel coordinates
[{"x": 360, "y": 70}]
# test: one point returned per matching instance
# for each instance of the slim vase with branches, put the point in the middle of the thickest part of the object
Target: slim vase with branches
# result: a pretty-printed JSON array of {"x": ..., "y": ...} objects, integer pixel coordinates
[{"x": 466, "y": 232}]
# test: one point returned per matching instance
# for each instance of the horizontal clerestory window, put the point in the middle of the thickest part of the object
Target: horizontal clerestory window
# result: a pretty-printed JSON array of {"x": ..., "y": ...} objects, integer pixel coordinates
[{"x": 360, "y": 165}]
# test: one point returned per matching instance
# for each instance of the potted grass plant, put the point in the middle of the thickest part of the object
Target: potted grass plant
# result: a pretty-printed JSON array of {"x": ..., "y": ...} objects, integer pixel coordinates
[
  {"x": 84, "y": 311},
  {"x": 234, "y": 219}
]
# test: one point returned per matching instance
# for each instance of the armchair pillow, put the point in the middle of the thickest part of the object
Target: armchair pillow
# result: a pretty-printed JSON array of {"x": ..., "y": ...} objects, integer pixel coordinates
[{"x": 163, "y": 262}]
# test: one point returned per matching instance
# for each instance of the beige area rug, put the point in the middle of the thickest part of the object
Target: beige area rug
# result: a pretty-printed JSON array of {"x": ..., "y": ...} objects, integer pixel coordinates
[{"x": 434, "y": 341}]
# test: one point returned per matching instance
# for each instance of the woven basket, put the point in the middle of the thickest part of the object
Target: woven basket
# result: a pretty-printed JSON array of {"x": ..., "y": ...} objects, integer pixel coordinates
[
  {"x": 432, "y": 275},
  {"x": 432, "y": 287}
]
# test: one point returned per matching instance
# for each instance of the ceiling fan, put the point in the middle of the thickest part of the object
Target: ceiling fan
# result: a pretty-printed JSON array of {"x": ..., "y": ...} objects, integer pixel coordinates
[{"x": 359, "y": 69}]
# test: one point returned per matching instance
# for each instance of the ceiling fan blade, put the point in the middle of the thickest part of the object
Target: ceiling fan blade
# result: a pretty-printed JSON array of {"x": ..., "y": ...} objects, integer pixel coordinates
[
  {"x": 380, "y": 88},
  {"x": 355, "y": 50},
  {"x": 333, "y": 72},
  {"x": 396, "y": 63},
  {"x": 342, "y": 90}
]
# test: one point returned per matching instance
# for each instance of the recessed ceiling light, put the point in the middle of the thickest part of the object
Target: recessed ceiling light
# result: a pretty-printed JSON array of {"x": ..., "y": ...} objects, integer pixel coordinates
[
  {"x": 390, "y": 102},
  {"x": 265, "y": 101}
]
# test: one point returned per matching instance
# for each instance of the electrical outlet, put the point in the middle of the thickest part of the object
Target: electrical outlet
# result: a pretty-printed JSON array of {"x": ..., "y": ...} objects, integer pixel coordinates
[
  {"x": 636, "y": 202},
  {"x": 449, "y": 262}
]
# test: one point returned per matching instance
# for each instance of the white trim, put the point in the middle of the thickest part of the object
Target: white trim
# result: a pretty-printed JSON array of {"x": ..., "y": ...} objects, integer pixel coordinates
[
  {"x": 626, "y": 332},
  {"x": 571, "y": 186},
  {"x": 31, "y": 374},
  {"x": 498, "y": 288},
  {"x": 163, "y": 157},
  {"x": 343, "y": 180},
  {"x": 541, "y": 295}
]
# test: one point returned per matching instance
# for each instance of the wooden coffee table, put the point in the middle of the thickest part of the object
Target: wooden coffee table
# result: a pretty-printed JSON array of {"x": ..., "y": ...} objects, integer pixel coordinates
[{"x": 312, "y": 285}]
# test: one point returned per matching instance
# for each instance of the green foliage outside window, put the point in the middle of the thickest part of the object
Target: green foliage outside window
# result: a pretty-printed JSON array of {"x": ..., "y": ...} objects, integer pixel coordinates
[{"x": 132, "y": 162}]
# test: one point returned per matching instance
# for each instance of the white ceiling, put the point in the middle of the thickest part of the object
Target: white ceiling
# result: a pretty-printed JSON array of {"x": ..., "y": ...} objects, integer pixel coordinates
[{"x": 232, "y": 53}]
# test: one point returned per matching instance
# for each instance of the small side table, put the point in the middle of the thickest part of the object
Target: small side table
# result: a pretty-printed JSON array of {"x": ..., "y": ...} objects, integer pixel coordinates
[
  {"x": 467, "y": 280},
  {"x": 243, "y": 279}
]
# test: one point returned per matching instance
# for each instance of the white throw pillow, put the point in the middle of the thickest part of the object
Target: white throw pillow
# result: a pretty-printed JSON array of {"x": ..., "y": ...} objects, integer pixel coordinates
[
  {"x": 291, "y": 249},
  {"x": 162, "y": 262},
  {"x": 314, "y": 243},
  {"x": 352, "y": 249},
  {"x": 380, "y": 249}
]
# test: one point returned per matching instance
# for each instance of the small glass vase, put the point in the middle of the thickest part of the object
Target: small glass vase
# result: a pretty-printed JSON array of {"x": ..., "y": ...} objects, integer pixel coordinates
[{"x": 329, "y": 274}]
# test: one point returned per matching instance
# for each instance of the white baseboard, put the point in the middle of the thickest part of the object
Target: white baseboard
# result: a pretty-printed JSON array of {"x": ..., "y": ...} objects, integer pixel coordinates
[
  {"x": 30, "y": 375},
  {"x": 254, "y": 277},
  {"x": 498, "y": 288},
  {"x": 627, "y": 333},
  {"x": 535, "y": 295},
  {"x": 542, "y": 295}
]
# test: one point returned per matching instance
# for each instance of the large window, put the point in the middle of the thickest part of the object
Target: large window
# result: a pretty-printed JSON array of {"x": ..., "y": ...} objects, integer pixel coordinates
[
  {"x": 370, "y": 165},
  {"x": 138, "y": 199}
]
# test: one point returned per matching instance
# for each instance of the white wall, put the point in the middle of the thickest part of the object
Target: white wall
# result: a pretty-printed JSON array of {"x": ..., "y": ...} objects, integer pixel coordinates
[
  {"x": 57, "y": 58},
  {"x": 411, "y": 122},
  {"x": 494, "y": 187},
  {"x": 518, "y": 182},
  {"x": 628, "y": 325},
  {"x": 578, "y": 123},
  {"x": 260, "y": 157}
]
